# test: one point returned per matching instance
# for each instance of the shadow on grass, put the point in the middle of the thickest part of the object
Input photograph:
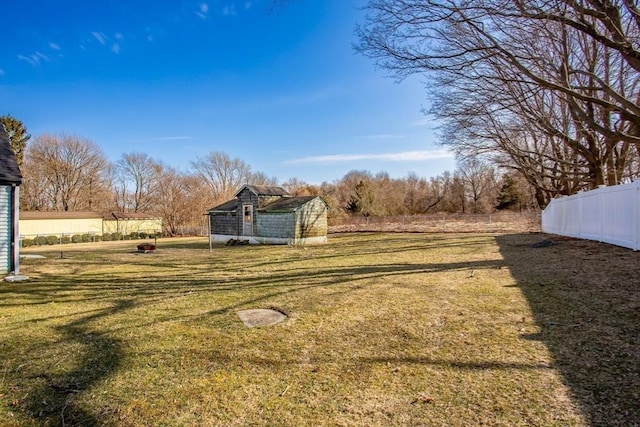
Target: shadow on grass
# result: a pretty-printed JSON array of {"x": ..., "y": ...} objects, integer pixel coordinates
[
  {"x": 50, "y": 393},
  {"x": 585, "y": 297}
]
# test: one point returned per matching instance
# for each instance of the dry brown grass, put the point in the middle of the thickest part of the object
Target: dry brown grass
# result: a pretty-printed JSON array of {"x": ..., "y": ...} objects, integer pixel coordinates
[
  {"x": 384, "y": 329},
  {"x": 503, "y": 222}
]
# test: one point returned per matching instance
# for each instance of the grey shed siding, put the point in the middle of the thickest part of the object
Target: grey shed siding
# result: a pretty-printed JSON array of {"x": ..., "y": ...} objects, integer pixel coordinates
[
  {"x": 311, "y": 219},
  {"x": 246, "y": 197},
  {"x": 276, "y": 224},
  {"x": 304, "y": 221},
  {"x": 224, "y": 223},
  {"x": 5, "y": 229}
]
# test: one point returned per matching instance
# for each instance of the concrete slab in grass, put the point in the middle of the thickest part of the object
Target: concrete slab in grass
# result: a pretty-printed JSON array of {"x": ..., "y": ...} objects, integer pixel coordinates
[{"x": 261, "y": 317}]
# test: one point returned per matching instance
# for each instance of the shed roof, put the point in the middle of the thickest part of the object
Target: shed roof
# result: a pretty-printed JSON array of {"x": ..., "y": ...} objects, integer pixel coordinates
[
  {"x": 289, "y": 204},
  {"x": 59, "y": 215},
  {"x": 263, "y": 190},
  {"x": 9, "y": 170},
  {"x": 228, "y": 206}
]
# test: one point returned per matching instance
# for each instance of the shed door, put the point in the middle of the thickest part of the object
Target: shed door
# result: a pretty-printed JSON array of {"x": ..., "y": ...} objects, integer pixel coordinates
[
  {"x": 247, "y": 220},
  {"x": 5, "y": 228}
]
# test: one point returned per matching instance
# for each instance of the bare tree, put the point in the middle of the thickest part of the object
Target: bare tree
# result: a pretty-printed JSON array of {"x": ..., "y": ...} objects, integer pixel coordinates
[
  {"x": 260, "y": 178},
  {"x": 69, "y": 174},
  {"x": 222, "y": 174},
  {"x": 479, "y": 184},
  {"x": 550, "y": 85},
  {"x": 297, "y": 187},
  {"x": 137, "y": 181},
  {"x": 172, "y": 199}
]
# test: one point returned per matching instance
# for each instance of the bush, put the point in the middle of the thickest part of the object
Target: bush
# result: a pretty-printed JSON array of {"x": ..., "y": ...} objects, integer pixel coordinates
[
  {"x": 65, "y": 239},
  {"x": 106, "y": 237},
  {"x": 76, "y": 238},
  {"x": 52, "y": 240},
  {"x": 27, "y": 242},
  {"x": 97, "y": 238},
  {"x": 134, "y": 235},
  {"x": 86, "y": 238},
  {"x": 116, "y": 236},
  {"x": 41, "y": 240},
  {"x": 143, "y": 235}
]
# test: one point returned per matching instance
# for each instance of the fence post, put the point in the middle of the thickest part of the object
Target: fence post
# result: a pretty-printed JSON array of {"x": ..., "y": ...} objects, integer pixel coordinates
[{"x": 602, "y": 206}]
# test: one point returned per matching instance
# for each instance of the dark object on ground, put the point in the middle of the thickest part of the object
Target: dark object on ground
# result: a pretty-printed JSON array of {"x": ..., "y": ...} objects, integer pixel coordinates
[
  {"x": 146, "y": 248},
  {"x": 544, "y": 244},
  {"x": 234, "y": 242}
]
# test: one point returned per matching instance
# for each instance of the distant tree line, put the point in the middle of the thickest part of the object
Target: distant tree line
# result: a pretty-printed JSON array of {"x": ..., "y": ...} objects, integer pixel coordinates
[{"x": 68, "y": 173}]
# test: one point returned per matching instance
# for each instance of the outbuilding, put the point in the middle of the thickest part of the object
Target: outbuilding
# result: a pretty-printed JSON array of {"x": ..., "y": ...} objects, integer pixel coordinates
[
  {"x": 69, "y": 223},
  {"x": 128, "y": 223},
  {"x": 10, "y": 180},
  {"x": 265, "y": 214}
]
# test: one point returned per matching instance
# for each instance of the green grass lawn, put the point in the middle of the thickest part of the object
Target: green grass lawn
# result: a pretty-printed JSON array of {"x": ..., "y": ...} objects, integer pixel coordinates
[{"x": 383, "y": 329}]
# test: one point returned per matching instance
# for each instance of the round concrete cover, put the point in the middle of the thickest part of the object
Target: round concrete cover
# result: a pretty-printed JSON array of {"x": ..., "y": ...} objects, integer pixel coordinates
[{"x": 261, "y": 317}]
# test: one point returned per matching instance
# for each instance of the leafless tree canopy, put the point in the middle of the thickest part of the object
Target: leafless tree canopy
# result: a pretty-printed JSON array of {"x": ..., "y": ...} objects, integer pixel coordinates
[
  {"x": 223, "y": 174},
  {"x": 136, "y": 182},
  {"x": 548, "y": 88},
  {"x": 65, "y": 173}
]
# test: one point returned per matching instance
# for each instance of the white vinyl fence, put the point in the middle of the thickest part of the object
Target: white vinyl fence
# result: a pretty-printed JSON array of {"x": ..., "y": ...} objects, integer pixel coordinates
[{"x": 607, "y": 214}]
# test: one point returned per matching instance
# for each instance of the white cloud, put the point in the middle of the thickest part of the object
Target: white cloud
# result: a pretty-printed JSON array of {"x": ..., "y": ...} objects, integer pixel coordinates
[
  {"x": 54, "y": 46},
  {"x": 102, "y": 39},
  {"x": 34, "y": 59},
  {"x": 406, "y": 156},
  {"x": 203, "y": 10},
  {"x": 115, "y": 48}
]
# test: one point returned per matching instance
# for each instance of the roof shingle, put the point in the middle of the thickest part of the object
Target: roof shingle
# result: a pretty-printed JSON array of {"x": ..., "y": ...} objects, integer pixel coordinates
[
  {"x": 263, "y": 190},
  {"x": 287, "y": 204}
]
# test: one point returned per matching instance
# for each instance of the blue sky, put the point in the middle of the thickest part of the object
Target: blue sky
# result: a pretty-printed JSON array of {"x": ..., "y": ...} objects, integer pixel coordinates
[{"x": 281, "y": 89}]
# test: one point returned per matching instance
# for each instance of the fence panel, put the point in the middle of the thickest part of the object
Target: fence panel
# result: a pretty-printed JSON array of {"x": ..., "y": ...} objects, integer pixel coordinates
[{"x": 607, "y": 214}]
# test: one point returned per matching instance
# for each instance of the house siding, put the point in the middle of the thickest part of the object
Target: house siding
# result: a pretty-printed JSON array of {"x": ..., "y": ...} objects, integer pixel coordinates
[{"x": 5, "y": 229}]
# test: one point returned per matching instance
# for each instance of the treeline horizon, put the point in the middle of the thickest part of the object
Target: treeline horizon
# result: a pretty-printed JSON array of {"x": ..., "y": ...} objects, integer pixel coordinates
[{"x": 63, "y": 172}]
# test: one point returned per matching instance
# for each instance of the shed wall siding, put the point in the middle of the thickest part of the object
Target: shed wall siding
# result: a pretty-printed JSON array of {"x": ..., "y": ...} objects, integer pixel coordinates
[
  {"x": 276, "y": 224},
  {"x": 224, "y": 224},
  {"x": 311, "y": 220},
  {"x": 247, "y": 197},
  {"x": 5, "y": 229}
]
